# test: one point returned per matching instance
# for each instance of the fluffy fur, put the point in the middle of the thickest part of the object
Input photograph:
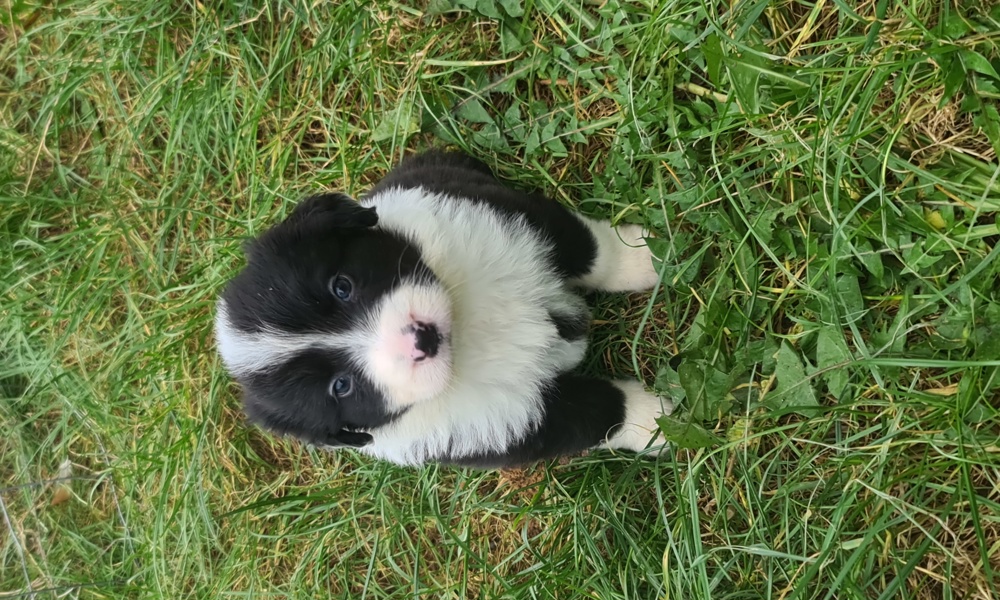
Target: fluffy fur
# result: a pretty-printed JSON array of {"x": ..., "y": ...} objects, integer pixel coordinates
[{"x": 439, "y": 319}]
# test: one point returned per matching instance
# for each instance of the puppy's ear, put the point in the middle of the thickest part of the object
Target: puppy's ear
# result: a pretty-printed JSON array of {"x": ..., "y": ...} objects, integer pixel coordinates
[
  {"x": 324, "y": 213},
  {"x": 332, "y": 210},
  {"x": 283, "y": 422},
  {"x": 354, "y": 439}
]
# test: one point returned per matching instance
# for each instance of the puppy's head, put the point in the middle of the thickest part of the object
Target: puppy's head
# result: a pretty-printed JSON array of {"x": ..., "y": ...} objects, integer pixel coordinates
[{"x": 335, "y": 326}]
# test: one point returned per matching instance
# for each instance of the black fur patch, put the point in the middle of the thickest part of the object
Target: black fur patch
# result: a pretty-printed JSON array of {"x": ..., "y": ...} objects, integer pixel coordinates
[
  {"x": 580, "y": 412},
  {"x": 286, "y": 283},
  {"x": 294, "y": 399},
  {"x": 459, "y": 175},
  {"x": 571, "y": 327}
]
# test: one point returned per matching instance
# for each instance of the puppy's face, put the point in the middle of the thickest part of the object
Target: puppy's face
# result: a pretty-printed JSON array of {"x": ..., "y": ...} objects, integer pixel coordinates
[{"x": 334, "y": 326}]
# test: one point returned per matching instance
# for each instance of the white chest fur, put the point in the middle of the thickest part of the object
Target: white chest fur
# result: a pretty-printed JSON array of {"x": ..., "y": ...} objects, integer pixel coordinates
[{"x": 505, "y": 345}]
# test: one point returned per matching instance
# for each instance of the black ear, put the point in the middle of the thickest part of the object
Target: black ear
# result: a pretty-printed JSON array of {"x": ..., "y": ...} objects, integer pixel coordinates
[
  {"x": 284, "y": 423},
  {"x": 354, "y": 439},
  {"x": 332, "y": 210},
  {"x": 319, "y": 214}
]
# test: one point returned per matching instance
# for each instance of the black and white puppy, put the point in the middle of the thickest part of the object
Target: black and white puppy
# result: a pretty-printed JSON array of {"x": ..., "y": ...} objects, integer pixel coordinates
[{"x": 439, "y": 319}]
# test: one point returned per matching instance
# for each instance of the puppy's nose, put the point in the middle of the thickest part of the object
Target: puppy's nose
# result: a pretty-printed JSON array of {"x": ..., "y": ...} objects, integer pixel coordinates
[{"x": 428, "y": 339}]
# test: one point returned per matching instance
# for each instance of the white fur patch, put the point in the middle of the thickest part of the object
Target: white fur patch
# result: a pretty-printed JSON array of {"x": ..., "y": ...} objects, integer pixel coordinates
[
  {"x": 245, "y": 353},
  {"x": 388, "y": 361},
  {"x": 641, "y": 410},
  {"x": 624, "y": 262},
  {"x": 504, "y": 344}
]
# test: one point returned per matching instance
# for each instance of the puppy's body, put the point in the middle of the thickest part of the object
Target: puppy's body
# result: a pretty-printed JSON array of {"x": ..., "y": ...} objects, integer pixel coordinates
[{"x": 462, "y": 326}]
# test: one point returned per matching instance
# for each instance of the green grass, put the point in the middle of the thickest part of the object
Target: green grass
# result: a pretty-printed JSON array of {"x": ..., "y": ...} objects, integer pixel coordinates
[{"x": 823, "y": 183}]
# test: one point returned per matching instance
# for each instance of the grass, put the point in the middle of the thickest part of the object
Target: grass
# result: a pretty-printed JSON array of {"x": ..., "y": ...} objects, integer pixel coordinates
[{"x": 823, "y": 184}]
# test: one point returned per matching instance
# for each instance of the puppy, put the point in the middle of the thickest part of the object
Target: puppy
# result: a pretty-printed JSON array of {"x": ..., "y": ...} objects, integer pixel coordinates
[{"x": 439, "y": 319}]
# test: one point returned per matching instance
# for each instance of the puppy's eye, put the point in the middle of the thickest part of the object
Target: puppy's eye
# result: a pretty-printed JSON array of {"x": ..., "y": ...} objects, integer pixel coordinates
[
  {"x": 341, "y": 386},
  {"x": 342, "y": 287}
]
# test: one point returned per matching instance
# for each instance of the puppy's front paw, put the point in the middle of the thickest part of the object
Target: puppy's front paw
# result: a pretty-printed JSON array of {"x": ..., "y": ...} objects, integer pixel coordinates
[
  {"x": 636, "y": 272},
  {"x": 640, "y": 430},
  {"x": 623, "y": 263}
]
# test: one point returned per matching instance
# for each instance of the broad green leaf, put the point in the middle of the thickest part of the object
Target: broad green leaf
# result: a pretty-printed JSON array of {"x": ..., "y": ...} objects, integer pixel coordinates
[
  {"x": 989, "y": 121},
  {"x": 491, "y": 137},
  {"x": 659, "y": 248},
  {"x": 703, "y": 328},
  {"x": 514, "y": 8},
  {"x": 988, "y": 334},
  {"x": 980, "y": 413},
  {"x": 556, "y": 146},
  {"x": 794, "y": 392},
  {"x": 975, "y": 61},
  {"x": 686, "y": 434},
  {"x": 971, "y": 103},
  {"x": 849, "y": 293},
  {"x": 692, "y": 380},
  {"x": 690, "y": 268},
  {"x": 759, "y": 67},
  {"x": 954, "y": 26},
  {"x": 706, "y": 388},
  {"x": 870, "y": 259},
  {"x": 758, "y": 356},
  {"x": 532, "y": 143},
  {"x": 512, "y": 122},
  {"x": 831, "y": 349},
  {"x": 953, "y": 79},
  {"x": 953, "y": 328},
  {"x": 916, "y": 258},
  {"x": 488, "y": 8},
  {"x": 675, "y": 273},
  {"x": 512, "y": 41},
  {"x": 473, "y": 110},
  {"x": 551, "y": 140},
  {"x": 712, "y": 49},
  {"x": 668, "y": 383},
  {"x": 682, "y": 32},
  {"x": 400, "y": 122},
  {"x": 439, "y": 7},
  {"x": 745, "y": 82},
  {"x": 894, "y": 337}
]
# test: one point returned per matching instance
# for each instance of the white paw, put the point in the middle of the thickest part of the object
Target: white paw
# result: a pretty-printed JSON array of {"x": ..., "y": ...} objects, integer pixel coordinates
[
  {"x": 635, "y": 263},
  {"x": 623, "y": 262},
  {"x": 640, "y": 430}
]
